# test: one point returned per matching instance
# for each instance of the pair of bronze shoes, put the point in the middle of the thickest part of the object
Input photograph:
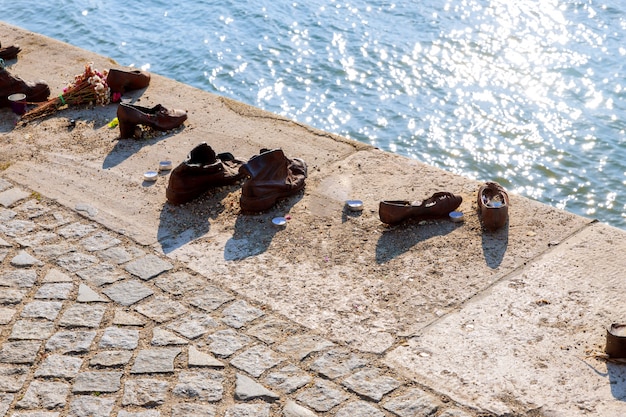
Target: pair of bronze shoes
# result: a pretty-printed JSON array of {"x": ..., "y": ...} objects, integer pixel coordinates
[
  {"x": 493, "y": 207},
  {"x": 271, "y": 176}
]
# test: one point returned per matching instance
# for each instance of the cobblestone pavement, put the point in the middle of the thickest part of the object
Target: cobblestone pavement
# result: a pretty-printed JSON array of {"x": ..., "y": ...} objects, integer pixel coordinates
[{"x": 93, "y": 324}]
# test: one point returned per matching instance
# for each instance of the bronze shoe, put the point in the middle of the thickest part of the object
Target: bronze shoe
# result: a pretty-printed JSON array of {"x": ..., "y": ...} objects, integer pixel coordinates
[
  {"x": 10, "y": 84},
  {"x": 157, "y": 117},
  {"x": 201, "y": 171},
  {"x": 9, "y": 52},
  {"x": 121, "y": 81},
  {"x": 439, "y": 205},
  {"x": 493, "y": 205},
  {"x": 273, "y": 176}
]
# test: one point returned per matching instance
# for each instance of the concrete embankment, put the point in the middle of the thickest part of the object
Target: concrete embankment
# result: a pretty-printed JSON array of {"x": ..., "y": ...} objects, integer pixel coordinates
[{"x": 131, "y": 306}]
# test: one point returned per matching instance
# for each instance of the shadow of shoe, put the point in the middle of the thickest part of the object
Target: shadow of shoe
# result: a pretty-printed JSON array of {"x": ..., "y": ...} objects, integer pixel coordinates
[
  {"x": 182, "y": 224},
  {"x": 123, "y": 149},
  {"x": 397, "y": 240},
  {"x": 494, "y": 244},
  {"x": 253, "y": 233}
]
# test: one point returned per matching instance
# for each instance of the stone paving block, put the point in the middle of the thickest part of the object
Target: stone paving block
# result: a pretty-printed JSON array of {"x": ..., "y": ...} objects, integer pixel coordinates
[
  {"x": 83, "y": 315},
  {"x": 6, "y": 314},
  {"x": 193, "y": 325},
  {"x": 36, "y": 239},
  {"x": 293, "y": 409},
  {"x": 247, "y": 389},
  {"x": 371, "y": 383},
  {"x": 101, "y": 274},
  {"x": 145, "y": 392},
  {"x": 75, "y": 261},
  {"x": 99, "y": 241},
  {"x": 91, "y": 406},
  {"x": 119, "y": 255},
  {"x": 54, "y": 275},
  {"x": 31, "y": 330},
  {"x": 59, "y": 366},
  {"x": 147, "y": 413},
  {"x": 179, "y": 283},
  {"x": 322, "y": 396},
  {"x": 248, "y": 410},
  {"x": 454, "y": 413},
  {"x": 23, "y": 259},
  {"x": 12, "y": 195},
  {"x": 124, "y": 318},
  {"x": 19, "y": 352},
  {"x": 33, "y": 208},
  {"x": 301, "y": 346},
  {"x": 76, "y": 230},
  {"x": 4, "y": 244},
  {"x": 35, "y": 414},
  {"x": 359, "y": 408},
  {"x": 12, "y": 377},
  {"x": 42, "y": 310},
  {"x": 210, "y": 298},
  {"x": 193, "y": 410},
  {"x": 256, "y": 360},
  {"x": 53, "y": 251},
  {"x": 43, "y": 394},
  {"x": 4, "y": 184},
  {"x": 288, "y": 379},
  {"x": 162, "y": 337},
  {"x": 22, "y": 278},
  {"x": 5, "y": 403},
  {"x": 111, "y": 358},
  {"x": 337, "y": 362},
  {"x": 119, "y": 338},
  {"x": 16, "y": 228},
  {"x": 155, "y": 361},
  {"x": 272, "y": 329},
  {"x": 148, "y": 267},
  {"x": 87, "y": 295},
  {"x": 239, "y": 313},
  {"x": 76, "y": 341},
  {"x": 54, "y": 291},
  {"x": 205, "y": 385},
  {"x": 12, "y": 295},
  {"x": 89, "y": 382},
  {"x": 6, "y": 215},
  {"x": 55, "y": 219},
  {"x": 161, "y": 309},
  {"x": 196, "y": 357},
  {"x": 224, "y": 343},
  {"x": 128, "y": 292},
  {"x": 412, "y": 403}
]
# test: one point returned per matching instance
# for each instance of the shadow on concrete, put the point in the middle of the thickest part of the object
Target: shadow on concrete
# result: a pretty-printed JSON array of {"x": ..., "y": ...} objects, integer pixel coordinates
[
  {"x": 349, "y": 214},
  {"x": 179, "y": 225},
  {"x": 494, "y": 245},
  {"x": 399, "y": 239},
  {"x": 124, "y": 148},
  {"x": 254, "y": 232},
  {"x": 617, "y": 379}
]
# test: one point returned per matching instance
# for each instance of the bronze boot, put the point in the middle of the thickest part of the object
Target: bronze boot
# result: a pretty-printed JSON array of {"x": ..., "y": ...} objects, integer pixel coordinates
[
  {"x": 273, "y": 176},
  {"x": 201, "y": 171}
]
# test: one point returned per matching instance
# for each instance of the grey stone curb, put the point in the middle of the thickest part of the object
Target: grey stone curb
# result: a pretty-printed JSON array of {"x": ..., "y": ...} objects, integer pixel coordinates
[{"x": 93, "y": 324}]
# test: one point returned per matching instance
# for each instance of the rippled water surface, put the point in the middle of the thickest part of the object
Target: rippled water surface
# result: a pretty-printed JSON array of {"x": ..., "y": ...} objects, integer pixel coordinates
[{"x": 531, "y": 94}]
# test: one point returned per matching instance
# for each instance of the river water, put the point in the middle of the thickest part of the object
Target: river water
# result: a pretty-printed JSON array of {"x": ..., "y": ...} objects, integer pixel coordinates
[{"x": 531, "y": 94}]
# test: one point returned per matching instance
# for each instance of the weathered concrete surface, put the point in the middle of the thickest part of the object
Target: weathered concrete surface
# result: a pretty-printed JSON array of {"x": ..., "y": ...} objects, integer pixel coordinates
[{"x": 403, "y": 292}]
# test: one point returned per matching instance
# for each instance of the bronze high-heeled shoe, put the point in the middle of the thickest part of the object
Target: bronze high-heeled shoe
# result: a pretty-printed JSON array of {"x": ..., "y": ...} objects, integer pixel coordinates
[
  {"x": 438, "y": 206},
  {"x": 121, "y": 81},
  {"x": 157, "y": 117}
]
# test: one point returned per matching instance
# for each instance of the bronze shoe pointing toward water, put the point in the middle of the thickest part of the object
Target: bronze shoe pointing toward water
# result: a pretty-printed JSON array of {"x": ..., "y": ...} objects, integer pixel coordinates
[
  {"x": 439, "y": 205},
  {"x": 120, "y": 81},
  {"x": 493, "y": 205},
  {"x": 157, "y": 117},
  {"x": 10, "y": 84}
]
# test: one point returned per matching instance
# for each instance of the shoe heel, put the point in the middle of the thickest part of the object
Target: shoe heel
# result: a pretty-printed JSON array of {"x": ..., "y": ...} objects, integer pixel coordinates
[{"x": 127, "y": 129}]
